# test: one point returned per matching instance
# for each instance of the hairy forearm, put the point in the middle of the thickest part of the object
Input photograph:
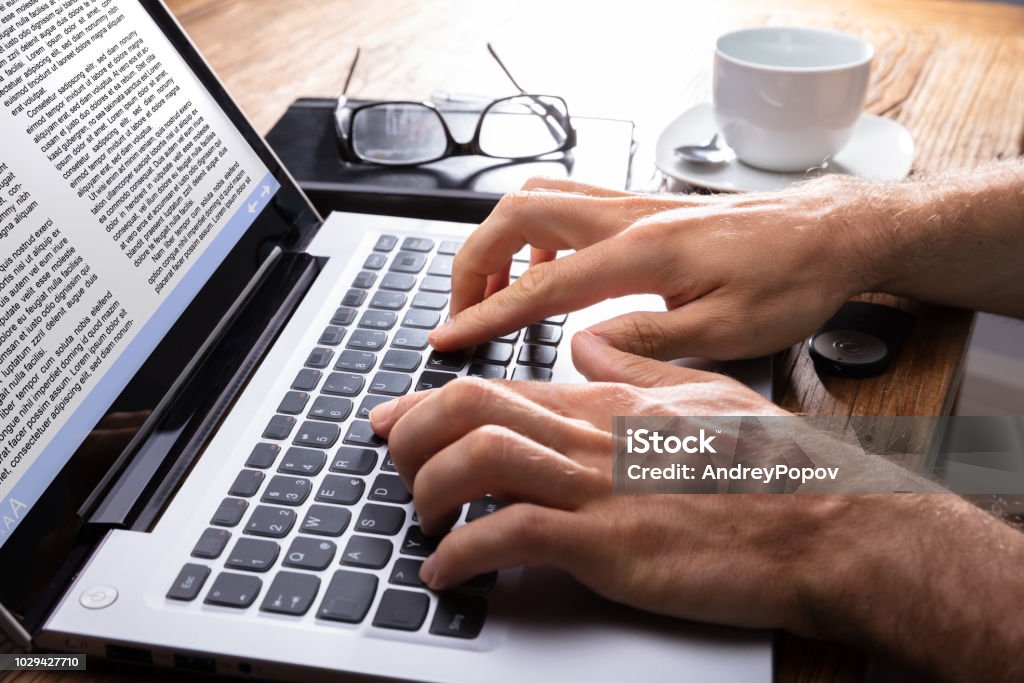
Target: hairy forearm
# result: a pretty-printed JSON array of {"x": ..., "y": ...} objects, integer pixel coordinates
[
  {"x": 928, "y": 579},
  {"x": 955, "y": 240}
]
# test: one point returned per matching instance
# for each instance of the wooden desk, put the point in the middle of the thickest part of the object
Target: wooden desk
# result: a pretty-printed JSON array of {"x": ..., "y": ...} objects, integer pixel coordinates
[{"x": 949, "y": 71}]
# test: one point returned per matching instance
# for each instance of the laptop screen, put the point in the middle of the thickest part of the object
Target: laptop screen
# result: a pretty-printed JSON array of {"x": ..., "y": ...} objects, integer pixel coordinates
[{"x": 124, "y": 186}]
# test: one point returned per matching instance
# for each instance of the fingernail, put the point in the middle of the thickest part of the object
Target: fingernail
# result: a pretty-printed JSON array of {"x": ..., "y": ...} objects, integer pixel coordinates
[
  {"x": 382, "y": 412},
  {"x": 594, "y": 337},
  {"x": 427, "y": 571},
  {"x": 443, "y": 330}
]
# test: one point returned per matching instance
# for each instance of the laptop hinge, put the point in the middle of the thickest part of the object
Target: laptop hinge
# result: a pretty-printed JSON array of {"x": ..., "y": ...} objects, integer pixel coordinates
[
  {"x": 155, "y": 467},
  {"x": 13, "y": 629}
]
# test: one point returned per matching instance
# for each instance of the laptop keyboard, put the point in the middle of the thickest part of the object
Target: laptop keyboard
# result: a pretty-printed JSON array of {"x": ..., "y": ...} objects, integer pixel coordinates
[{"x": 316, "y": 518}]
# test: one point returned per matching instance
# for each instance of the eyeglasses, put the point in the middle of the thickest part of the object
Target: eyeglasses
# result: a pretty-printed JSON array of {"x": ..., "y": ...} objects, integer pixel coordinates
[{"x": 517, "y": 128}]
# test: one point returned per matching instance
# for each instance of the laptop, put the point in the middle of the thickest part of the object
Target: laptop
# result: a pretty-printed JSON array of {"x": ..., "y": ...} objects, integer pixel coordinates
[{"x": 187, "y": 357}]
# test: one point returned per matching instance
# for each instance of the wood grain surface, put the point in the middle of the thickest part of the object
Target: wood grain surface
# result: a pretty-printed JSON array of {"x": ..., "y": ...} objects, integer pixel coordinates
[{"x": 949, "y": 71}]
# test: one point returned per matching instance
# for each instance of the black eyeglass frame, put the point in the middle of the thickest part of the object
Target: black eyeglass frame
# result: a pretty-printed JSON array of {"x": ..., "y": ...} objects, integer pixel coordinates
[{"x": 346, "y": 114}]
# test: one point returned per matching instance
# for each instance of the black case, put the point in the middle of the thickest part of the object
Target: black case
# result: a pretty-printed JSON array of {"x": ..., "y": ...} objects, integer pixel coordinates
[{"x": 458, "y": 189}]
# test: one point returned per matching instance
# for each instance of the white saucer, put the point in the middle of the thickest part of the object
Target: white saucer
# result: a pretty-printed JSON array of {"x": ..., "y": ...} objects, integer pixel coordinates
[{"x": 881, "y": 149}]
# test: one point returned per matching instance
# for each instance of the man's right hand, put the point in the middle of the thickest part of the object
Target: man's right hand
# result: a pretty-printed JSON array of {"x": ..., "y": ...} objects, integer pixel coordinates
[{"x": 741, "y": 276}]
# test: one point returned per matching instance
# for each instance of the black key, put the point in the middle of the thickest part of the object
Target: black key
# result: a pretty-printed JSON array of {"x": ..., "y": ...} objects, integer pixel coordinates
[
  {"x": 432, "y": 283},
  {"x": 252, "y": 555},
  {"x": 544, "y": 334},
  {"x": 348, "y": 597},
  {"x": 317, "y": 434},
  {"x": 434, "y": 380},
  {"x": 385, "y": 243},
  {"x": 390, "y": 383},
  {"x": 459, "y": 616},
  {"x": 330, "y": 408},
  {"x": 307, "y": 380},
  {"x": 401, "y": 361},
  {"x": 341, "y": 490},
  {"x": 211, "y": 544},
  {"x": 343, "y": 384},
  {"x": 246, "y": 484},
  {"x": 279, "y": 427},
  {"x": 525, "y": 373},
  {"x": 304, "y": 461},
  {"x": 354, "y": 460},
  {"x": 332, "y": 335},
  {"x": 369, "y": 403},
  {"x": 325, "y": 520},
  {"x": 415, "y": 543},
  {"x": 375, "y": 261},
  {"x": 361, "y": 434},
  {"x": 451, "y": 361},
  {"x": 378, "y": 320},
  {"x": 487, "y": 371},
  {"x": 556, "y": 319},
  {"x": 417, "y": 244},
  {"x": 368, "y": 340},
  {"x": 233, "y": 590},
  {"x": 388, "y": 488},
  {"x": 407, "y": 338},
  {"x": 510, "y": 338},
  {"x": 441, "y": 266},
  {"x": 229, "y": 512},
  {"x": 364, "y": 280},
  {"x": 401, "y": 610},
  {"x": 263, "y": 455},
  {"x": 424, "y": 320},
  {"x": 388, "y": 301},
  {"x": 355, "y": 361},
  {"x": 398, "y": 282},
  {"x": 388, "y": 465},
  {"x": 344, "y": 316},
  {"x": 449, "y": 247},
  {"x": 287, "y": 490},
  {"x": 293, "y": 403},
  {"x": 433, "y": 302},
  {"x": 408, "y": 262},
  {"x": 291, "y": 593},
  {"x": 542, "y": 356},
  {"x": 269, "y": 521},
  {"x": 482, "y": 507},
  {"x": 494, "y": 352},
  {"x": 380, "y": 519},
  {"x": 189, "y": 582},
  {"x": 309, "y": 553},
  {"x": 354, "y": 297},
  {"x": 367, "y": 552},
  {"x": 481, "y": 583},
  {"x": 406, "y": 572}
]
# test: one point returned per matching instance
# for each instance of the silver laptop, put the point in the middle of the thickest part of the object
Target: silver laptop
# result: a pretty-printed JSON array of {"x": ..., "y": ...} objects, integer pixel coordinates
[{"x": 187, "y": 359}]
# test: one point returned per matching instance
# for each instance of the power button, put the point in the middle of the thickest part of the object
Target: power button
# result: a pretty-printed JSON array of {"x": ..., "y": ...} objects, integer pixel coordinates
[{"x": 98, "y": 597}]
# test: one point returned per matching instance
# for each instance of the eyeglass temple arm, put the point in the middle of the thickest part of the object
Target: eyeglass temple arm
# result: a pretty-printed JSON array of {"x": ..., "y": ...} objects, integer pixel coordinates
[
  {"x": 351, "y": 72},
  {"x": 549, "y": 110}
]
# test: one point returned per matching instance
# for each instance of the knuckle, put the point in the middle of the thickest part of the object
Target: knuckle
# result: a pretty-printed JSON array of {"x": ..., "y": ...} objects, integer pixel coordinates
[
  {"x": 534, "y": 279},
  {"x": 487, "y": 445},
  {"x": 644, "y": 335},
  {"x": 524, "y": 524},
  {"x": 513, "y": 204},
  {"x": 465, "y": 393}
]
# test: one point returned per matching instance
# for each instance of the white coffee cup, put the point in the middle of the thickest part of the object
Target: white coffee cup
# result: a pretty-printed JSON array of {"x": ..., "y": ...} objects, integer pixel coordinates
[{"x": 787, "y": 99}]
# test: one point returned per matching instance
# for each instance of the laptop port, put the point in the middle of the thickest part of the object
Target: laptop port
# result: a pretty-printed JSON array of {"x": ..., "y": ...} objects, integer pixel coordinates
[
  {"x": 133, "y": 655},
  {"x": 206, "y": 665}
]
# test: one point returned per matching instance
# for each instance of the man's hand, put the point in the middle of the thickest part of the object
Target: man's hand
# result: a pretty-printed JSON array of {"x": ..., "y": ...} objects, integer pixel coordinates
[
  {"x": 547, "y": 449},
  {"x": 926, "y": 578},
  {"x": 741, "y": 275}
]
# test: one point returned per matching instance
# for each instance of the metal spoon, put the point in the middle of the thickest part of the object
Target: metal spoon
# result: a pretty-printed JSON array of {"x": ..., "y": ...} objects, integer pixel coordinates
[{"x": 711, "y": 153}]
